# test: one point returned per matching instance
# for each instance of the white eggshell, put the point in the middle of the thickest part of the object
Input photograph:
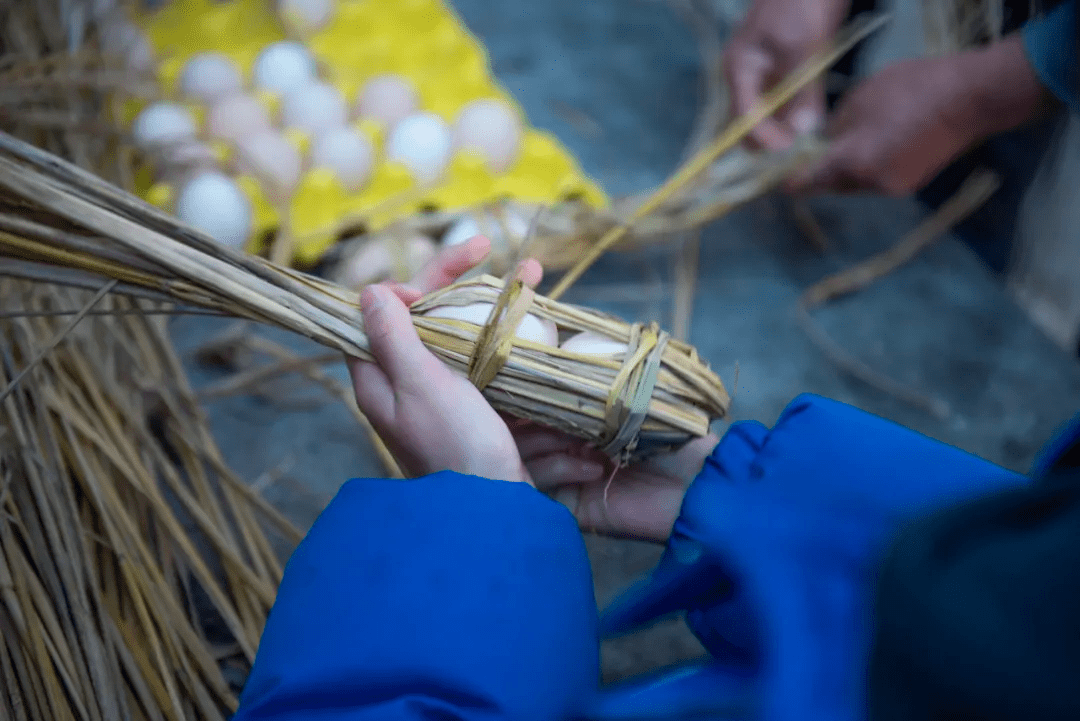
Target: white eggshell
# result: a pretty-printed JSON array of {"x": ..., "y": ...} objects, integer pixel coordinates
[
  {"x": 377, "y": 260},
  {"x": 283, "y": 67},
  {"x": 213, "y": 203},
  {"x": 162, "y": 124},
  {"x": 271, "y": 157},
  {"x": 461, "y": 232},
  {"x": 314, "y": 108},
  {"x": 371, "y": 263},
  {"x": 387, "y": 99},
  {"x": 497, "y": 226},
  {"x": 589, "y": 343},
  {"x": 491, "y": 128},
  {"x": 305, "y": 17},
  {"x": 236, "y": 117},
  {"x": 346, "y": 153},
  {"x": 533, "y": 329},
  {"x": 208, "y": 77},
  {"x": 423, "y": 143}
]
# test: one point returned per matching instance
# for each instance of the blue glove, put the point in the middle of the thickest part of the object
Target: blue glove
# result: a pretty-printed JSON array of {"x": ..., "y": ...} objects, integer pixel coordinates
[{"x": 775, "y": 558}]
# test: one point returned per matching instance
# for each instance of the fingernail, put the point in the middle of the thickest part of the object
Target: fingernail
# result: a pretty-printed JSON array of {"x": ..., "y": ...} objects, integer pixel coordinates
[{"x": 805, "y": 121}]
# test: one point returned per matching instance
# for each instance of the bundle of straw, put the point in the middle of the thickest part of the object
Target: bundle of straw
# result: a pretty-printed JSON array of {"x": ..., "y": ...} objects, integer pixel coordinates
[
  {"x": 136, "y": 571},
  {"x": 660, "y": 395}
]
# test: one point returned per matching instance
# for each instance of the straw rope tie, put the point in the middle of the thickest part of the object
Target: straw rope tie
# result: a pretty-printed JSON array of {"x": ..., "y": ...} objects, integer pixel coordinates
[
  {"x": 628, "y": 402},
  {"x": 496, "y": 338},
  {"x": 627, "y": 406}
]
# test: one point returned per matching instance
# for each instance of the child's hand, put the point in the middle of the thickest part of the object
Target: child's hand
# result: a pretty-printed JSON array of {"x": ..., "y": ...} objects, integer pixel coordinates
[
  {"x": 640, "y": 501},
  {"x": 431, "y": 418}
]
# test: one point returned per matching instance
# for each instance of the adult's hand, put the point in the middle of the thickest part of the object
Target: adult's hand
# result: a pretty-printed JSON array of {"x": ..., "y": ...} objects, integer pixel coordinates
[
  {"x": 775, "y": 38},
  {"x": 431, "y": 418},
  {"x": 901, "y": 126},
  {"x": 639, "y": 501}
]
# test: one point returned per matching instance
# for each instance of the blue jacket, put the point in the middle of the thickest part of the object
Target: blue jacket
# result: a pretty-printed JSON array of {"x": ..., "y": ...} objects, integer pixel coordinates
[{"x": 454, "y": 597}]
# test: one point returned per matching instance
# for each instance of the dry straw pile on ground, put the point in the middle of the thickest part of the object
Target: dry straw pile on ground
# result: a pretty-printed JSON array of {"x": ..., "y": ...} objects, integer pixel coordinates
[{"x": 136, "y": 570}]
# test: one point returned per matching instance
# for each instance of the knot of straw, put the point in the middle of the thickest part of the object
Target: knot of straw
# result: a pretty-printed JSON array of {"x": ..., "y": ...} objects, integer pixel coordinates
[
  {"x": 496, "y": 338},
  {"x": 628, "y": 401}
]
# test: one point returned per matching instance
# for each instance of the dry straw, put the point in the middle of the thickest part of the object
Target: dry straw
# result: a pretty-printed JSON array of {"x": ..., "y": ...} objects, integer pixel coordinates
[
  {"x": 660, "y": 396},
  {"x": 125, "y": 537},
  {"x": 136, "y": 571}
]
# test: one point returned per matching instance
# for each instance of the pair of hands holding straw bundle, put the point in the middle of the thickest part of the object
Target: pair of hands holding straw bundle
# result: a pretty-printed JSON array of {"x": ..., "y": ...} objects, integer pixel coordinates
[
  {"x": 895, "y": 130},
  {"x": 433, "y": 419}
]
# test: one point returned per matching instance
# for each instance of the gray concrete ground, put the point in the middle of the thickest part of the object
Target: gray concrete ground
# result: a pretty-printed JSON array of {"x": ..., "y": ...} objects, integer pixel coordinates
[{"x": 617, "y": 81}]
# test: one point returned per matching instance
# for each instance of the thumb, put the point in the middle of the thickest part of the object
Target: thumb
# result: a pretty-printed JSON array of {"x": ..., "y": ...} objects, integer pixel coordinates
[{"x": 393, "y": 339}]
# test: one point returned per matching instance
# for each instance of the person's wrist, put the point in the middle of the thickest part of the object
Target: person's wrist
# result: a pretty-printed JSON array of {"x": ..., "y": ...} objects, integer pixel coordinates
[{"x": 994, "y": 89}]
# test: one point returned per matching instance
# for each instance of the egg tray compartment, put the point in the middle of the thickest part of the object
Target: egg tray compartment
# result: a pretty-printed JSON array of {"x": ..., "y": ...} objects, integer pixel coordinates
[{"x": 421, "y": 40}]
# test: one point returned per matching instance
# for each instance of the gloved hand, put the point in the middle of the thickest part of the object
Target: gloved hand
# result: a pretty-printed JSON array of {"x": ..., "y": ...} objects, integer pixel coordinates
[{"x": 775, "y": 557}]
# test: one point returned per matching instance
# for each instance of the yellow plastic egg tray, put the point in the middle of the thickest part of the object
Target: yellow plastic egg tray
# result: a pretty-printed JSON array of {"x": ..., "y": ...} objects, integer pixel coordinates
[{"x": 422, "y": 40}]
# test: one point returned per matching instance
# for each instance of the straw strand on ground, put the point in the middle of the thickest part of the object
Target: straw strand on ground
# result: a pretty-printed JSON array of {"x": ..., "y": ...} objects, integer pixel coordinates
[{"x": 975, "y": 191}]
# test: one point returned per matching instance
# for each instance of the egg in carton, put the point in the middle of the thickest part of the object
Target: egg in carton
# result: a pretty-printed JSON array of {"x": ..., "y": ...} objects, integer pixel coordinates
[{"x": 329, "y": 115}]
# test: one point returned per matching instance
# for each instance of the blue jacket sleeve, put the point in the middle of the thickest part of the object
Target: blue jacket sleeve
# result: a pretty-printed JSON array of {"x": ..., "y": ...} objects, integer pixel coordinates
[
  {"x": 825, "y": 471},
  {"x": 448, "y": 597},
  {"x": 774, "y": 558},
  {"x": 1051, "y": 44}
]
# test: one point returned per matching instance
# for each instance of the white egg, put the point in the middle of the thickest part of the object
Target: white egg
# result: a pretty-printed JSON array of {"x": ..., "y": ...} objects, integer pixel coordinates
[
  {"x": 124, "y": 39},
  {"x": 212, "y": 202},
  {"x": 270, "y": 156},
  {"x": 589, "y": 343},
  {"x": 314, "y": 108},
  {"x": 534, "y": 329},
  {"x": 162, "y": 124},
  {"x": 305, "y": 17},
  {"x": 233, "y": 118},
  {"x": 495, "y": 227},
  {"x": 377, "y": 260},
  {"x": 491, "y": 128},
  {"x": 284, "y": 66},
  {"x": 419, "y": 251},
  {"x": 421, "y": 142},
  {"x": 461, "y": 232},
  {"x": 208, "y": 77},
  {"x": 387, "y": 99},
  {"x": 347, "y": 153}
]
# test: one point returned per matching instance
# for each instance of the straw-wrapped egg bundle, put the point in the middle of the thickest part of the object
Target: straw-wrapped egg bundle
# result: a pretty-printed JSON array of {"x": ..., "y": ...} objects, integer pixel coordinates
[{"x": 660, "y": 394}]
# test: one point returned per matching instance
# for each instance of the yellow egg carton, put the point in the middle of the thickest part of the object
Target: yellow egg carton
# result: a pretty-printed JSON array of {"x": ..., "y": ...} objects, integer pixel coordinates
[{"x": 421, "y": 40}]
